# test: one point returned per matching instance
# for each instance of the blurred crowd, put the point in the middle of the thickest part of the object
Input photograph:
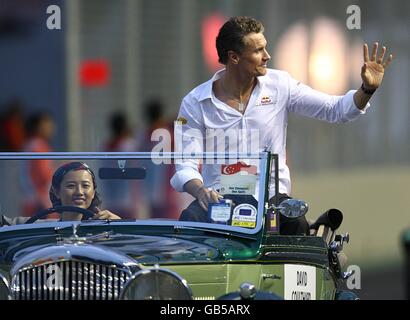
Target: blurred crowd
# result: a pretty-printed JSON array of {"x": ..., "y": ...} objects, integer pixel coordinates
[
  {"x": 34, "y": 132},
  {"x": 155, "y": 197}
]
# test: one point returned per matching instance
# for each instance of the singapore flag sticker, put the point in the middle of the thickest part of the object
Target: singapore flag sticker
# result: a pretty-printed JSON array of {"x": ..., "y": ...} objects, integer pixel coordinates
[{"x": 239, "y": 179}]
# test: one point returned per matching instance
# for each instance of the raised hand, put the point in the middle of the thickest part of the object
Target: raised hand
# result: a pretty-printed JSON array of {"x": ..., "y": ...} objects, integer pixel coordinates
[{"x": 374, "y": 67}]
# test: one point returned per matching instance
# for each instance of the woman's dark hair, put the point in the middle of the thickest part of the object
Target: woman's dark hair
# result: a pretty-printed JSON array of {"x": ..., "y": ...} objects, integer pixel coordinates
[
  {"x": 58, "y": 178},
  {"x": 230, "y": 36}
]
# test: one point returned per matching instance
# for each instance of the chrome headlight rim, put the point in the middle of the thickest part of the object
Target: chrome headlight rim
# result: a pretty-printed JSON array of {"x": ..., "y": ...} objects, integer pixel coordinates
[{"x": 156, "y": 269}]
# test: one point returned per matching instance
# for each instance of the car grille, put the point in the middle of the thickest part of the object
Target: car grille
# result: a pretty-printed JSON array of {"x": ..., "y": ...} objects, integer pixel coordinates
[{"x": 69, "y": 280}]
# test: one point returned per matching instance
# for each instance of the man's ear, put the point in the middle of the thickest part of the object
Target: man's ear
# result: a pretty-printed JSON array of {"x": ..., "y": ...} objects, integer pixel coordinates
[{"x": 233, "y": 57}]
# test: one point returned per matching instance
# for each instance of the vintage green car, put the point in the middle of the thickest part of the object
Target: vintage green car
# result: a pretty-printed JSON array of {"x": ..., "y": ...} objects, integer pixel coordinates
[
  {"x": 150, "y": 253},
  {"x": 405, "y": 240}
]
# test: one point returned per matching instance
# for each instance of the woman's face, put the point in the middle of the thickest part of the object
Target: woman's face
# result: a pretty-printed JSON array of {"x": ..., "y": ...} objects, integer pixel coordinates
[{"x": 76, "y": 189}]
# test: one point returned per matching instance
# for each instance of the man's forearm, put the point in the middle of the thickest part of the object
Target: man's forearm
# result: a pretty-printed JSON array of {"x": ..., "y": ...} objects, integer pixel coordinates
[
  {"x": 361, "y": 98},
  {"x": 193, "y": 186}
]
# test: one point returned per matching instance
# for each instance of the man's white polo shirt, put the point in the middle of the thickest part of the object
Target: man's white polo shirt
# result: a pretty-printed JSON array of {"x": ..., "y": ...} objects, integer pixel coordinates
[{"x": 262, "y": 126}]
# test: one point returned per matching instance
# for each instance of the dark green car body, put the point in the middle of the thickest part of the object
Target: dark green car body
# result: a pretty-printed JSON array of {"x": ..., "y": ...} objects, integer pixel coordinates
[{"x": 213, "y": 262}]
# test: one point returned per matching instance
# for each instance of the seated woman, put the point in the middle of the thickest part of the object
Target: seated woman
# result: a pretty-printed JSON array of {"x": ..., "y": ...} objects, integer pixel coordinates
[{"x": 73, "y": 184}]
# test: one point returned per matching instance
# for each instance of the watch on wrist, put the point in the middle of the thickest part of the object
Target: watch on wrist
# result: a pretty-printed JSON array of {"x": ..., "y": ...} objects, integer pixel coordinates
[{"x": 367, "y": 91}]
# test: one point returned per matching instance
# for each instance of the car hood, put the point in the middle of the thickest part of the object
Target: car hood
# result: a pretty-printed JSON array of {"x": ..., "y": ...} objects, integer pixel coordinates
[{"x": 146, "y": 249}]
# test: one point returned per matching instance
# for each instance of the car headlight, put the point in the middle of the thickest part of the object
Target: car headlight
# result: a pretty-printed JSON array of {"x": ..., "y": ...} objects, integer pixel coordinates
[
  {"x": 156, "y": 284},
  {"x": 4, "y": 288}
]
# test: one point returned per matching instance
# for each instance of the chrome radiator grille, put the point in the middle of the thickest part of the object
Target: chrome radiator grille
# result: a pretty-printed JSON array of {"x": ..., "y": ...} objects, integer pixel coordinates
[{"x": 69, "y": 280}]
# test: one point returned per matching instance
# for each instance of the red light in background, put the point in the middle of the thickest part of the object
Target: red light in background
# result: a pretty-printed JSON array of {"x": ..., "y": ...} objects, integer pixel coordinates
[
  {"x": 210, "y": 28},
  {"x": 95, "y": 73}
]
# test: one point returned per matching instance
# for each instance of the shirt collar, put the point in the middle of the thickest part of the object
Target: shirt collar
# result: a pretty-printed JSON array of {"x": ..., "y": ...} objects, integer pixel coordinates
[{"x": 206, "y": 93}]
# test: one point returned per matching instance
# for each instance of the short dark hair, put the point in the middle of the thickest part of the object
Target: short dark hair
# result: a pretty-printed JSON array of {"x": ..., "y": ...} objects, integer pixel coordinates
[
  {"x": 119, "y": 123},
  {"x": 230, "y": 36},
  {"x": 34, "y": 121}
]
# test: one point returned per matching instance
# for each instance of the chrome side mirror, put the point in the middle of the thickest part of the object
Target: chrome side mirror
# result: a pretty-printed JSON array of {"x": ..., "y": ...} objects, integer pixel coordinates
[{"x": 293, "y": 208}]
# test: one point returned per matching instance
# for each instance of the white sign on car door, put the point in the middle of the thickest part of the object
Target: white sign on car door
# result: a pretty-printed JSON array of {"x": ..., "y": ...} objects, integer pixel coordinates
[{"x": 300, "y": 282}]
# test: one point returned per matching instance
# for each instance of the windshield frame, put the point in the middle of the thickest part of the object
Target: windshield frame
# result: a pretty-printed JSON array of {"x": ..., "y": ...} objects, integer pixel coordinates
[{"x": 263, "y": 181}]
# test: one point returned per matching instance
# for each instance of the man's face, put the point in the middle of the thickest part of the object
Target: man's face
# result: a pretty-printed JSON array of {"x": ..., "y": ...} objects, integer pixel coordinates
[{"x": 254, "y": 57}]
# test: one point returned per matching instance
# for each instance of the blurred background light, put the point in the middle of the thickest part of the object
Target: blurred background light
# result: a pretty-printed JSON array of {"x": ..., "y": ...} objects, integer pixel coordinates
[
  {"x": 209, "y": 29},
  {"x": 354, "y": 58},
  {"x": 291, "y": 52},
  {"x": 95, "y": 73},
  {"x": 325, "y": 64},
  {"x": 327, "y": 67}
]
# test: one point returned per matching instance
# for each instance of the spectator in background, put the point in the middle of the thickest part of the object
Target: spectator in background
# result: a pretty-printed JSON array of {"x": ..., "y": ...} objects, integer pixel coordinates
[
  {"x": 121, "y": 139},
  {"x": 160, "y": 199},
  {"x": 36, "y": 174},
  {"x": 12, "y": 127},
  {"x": 120, "y": 195}
]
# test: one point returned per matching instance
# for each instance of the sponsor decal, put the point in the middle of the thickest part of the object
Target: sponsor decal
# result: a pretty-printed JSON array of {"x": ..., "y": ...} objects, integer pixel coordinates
[
  {"x": 273, "y": 222},
  {"x": 266, "y": 100},
  {"x": 239, "y": 179},
  {"x": 181, "y": 120},
  {"x": 238, "y": 167},
  {"x": 220, "y": 212},
  {"x": 244, "y": 215}
]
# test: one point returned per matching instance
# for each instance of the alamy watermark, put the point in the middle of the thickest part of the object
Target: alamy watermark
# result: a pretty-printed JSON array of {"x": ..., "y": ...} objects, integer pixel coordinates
[
  {"x": 53, "y": 21},
  {"x": 192, "y": 142},
  {"x": 54, "y": 277},
  {"x": 354, "y": 281},
  {"x": 353, "y": 21}
]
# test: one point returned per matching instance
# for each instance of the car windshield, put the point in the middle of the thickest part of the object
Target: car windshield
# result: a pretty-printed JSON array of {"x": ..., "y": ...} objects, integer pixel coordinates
[{"x": 133, "y": 187}]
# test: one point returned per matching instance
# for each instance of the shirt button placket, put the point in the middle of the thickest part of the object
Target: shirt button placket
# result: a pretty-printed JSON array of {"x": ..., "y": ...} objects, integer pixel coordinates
[{"x": 244, "y": 137}]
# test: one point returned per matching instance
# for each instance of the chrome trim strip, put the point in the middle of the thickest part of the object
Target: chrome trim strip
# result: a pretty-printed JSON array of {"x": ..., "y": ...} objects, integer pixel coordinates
[
  {"x": 35, "y": 285},
  {"x": 67, "y": 280},
  {"x": 44, "y": 276},
  {"x": 23, "y": 285},
  {"x": 104, "y": 283},
  {"x": 109, "y": 283},
  {"x": 39, "y": 284},
  {"x": 28, "y": 285},
  {"x": 61, "y": 281},
  {"x": 85, "y": 280},
  {"x": 73, "y": 280},
  {"x": 18, "y": 282},
  {"x": 92, "y": 287},
  {"x": 97, "y": 282},
  {"x": 80, "y": 281},
  {"x": 116, "y": 283}
]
